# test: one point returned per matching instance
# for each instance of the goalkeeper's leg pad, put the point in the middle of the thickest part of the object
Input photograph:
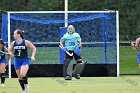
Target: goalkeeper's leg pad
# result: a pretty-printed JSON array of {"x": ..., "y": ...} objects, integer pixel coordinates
[
  {"x": 79, "y": 68},
  {"x": 70, "y": 69},
  {"x": 66, "y": 68}
]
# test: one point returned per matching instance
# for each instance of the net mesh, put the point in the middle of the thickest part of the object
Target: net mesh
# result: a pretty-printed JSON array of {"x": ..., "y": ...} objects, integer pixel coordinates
[{"x": 97, "y": 30}]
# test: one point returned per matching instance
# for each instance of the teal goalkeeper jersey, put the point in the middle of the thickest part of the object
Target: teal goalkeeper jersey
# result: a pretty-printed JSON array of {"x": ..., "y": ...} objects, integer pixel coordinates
[{"x": 71, "y": 40}]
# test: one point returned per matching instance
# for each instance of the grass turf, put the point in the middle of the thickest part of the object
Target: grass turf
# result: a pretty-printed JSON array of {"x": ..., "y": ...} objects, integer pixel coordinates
[
  {"x": 128, "y": 61},
  {"x": 123, "y": 84}
]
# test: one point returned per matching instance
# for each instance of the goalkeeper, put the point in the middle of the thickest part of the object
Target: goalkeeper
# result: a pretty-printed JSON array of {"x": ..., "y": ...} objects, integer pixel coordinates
[
  {"x": 135, "y": 47},
  {"x": 72, "y": 45}
]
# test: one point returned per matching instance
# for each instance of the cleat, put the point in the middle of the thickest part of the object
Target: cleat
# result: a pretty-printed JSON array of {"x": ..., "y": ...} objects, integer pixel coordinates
[
  {"x": 26, "y": 87},
  {"x": 2, "y": 85},
  {"x": 23, "y": 91}
]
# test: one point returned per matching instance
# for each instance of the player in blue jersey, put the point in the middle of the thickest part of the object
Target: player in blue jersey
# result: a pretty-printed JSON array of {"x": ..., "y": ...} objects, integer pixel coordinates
[
  {"x": 3, "y": 61},
  {"x": 135, "y": 47},
  {"x": 21, "y": 59},
  {"x": 72, "y": 44}
]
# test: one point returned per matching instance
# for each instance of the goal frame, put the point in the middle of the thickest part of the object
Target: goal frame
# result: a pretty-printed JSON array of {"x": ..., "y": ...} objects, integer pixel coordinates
[{"x": 65, "y": 24}]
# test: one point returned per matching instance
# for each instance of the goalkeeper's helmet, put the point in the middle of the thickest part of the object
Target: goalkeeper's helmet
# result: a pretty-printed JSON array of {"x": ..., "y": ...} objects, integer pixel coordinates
[{"x": 71, "y": 29}]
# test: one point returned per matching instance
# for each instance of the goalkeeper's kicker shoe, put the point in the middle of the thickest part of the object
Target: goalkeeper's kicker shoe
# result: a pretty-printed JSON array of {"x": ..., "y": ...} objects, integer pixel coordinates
[
  {"x": 77, "y": 76},
  {"x": 68, "y": 78}
]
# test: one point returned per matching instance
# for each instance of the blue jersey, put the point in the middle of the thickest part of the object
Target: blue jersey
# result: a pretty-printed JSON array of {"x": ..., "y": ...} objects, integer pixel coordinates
[
  {"x": 21, "y": 55},
  {"x": 139, "y": 58},
  {"x": 20, "y": 49},
  {"x": 71, "y": 40}
]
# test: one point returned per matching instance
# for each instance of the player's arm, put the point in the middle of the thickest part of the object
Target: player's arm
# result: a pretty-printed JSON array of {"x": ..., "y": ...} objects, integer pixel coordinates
[
  {"x": 11, "y": 49},
  {"x": 30, "y": 45},
  {"x": 9, "y": 56},
  {"x": 80, "y": 43},
  {"x": 79, "y": 40},
  {"x": 136, "y": 44},
  {"x": 61, "y": 43}
]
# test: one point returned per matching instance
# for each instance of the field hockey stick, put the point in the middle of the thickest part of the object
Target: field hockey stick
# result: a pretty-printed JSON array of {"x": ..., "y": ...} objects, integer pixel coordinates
[
  {"x": 131, "y": 42},
  {"x": 70, "y": 54},
  {"x": 1, "y": 52}
]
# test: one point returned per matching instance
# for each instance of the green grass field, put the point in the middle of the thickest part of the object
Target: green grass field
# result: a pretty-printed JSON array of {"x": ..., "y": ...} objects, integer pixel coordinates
[
  {"x": 122, "y": 84},
  {"x": 128, "y": 61}
]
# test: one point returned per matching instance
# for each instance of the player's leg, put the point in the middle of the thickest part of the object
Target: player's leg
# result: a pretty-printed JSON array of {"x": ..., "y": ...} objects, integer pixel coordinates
[
  {"x": 78, "y": 67},
  {"x": 23, "y": 73},
  {"x": 67, "y": 72},
  {"x": 139, "y": 59},
  {"x": 21, "y": 81},
  {"x": 17, "y": 65},
  {"x": 26, "y": 82},
  {"x": 2, "y": 71},
  {"x": 70, "y": 69},
  {"x": 22, "y": 77},
  {"x": 67, "y": 67},
  {"x": 21, "y": 70}
]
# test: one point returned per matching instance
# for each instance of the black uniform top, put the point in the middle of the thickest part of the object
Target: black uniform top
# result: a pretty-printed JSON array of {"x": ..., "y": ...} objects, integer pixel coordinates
[
  {"x": 2, "y": 56},
  {"x": 20, "y": 49}
]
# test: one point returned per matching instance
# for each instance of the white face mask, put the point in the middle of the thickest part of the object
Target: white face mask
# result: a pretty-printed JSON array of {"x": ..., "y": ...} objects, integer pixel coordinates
[
  {"x": 71, "y": 29},
  {"x": 70, "y": 32}
]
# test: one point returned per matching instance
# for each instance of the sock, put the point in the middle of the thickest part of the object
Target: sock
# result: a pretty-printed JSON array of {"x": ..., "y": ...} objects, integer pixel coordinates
[
  {"x": 21, "y": 82},
  {"x": 2, "y": 78},
  {"x": 25, "y": 80}
]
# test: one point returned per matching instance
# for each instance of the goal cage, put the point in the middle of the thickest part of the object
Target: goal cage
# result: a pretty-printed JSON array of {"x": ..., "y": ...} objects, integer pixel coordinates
[{"x": 99, "y": 31}]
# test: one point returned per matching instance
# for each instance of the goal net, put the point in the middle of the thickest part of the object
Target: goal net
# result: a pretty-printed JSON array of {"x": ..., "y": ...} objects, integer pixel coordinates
[{"x": 98, "y": 30}]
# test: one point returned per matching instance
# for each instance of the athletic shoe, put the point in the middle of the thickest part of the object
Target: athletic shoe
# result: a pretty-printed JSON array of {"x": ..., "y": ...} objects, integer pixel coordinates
[
  {"x": 23, "y": 91},
  {"x": 2, "y": 85},
  {"x": 68, "y": 78},
  {"x": 26, "y": 87}
]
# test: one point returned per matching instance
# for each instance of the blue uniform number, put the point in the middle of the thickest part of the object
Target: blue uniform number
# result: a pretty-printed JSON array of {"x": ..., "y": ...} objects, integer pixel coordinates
[{"x": 71, "y": 43}]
